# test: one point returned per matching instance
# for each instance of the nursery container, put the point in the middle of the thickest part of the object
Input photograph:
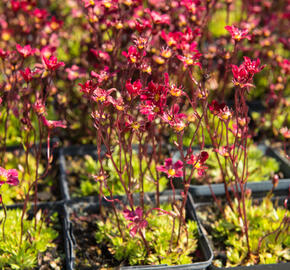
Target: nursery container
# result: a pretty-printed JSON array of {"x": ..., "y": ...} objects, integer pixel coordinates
[
  {"x": 278, "y": 153},
  {"x": 278, "y": 266},
  {"x": 90, "y": 205},
  {"x": 75, "y": 150},
  {"x": 259, "y": 189},
  {"x": 49, "y": 208}
]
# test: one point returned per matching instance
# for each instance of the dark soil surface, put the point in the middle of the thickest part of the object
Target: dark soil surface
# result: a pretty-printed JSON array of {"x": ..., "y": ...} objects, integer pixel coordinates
[
  {"x": 89, "y": 254},
  {"x": 53, "y": 258}
]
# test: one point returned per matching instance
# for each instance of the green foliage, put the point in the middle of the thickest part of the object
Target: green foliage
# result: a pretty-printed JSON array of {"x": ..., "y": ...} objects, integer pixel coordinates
[
  {"x": 13, "y": 136},
  {"x": 158, "y": 236},
  {"x": 89, "y": 187},
  {"x": 34, "y": 241},
  {"x": 218, "y": 21},
  {"x": 260, "y": 167},
  {"x": 263, "y": 219}
]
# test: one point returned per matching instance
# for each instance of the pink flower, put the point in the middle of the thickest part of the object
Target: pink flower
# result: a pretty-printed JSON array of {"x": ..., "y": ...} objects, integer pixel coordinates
[
  {"x": 138, "y": 223},
  {"x": 51, "y": 63},
  {"x": 50, "y": 124},
  {"x": 158, "y": 18},
  {"x": 190, "y": 59},
  {"x": 74, "y": 73},
  {"x": 9, "y": 177},
  {"x": 133, "y": 55},
  {"x": 243, "y": 75},
  {"x": 238, "y": 34},
  {"x": 103, "y": 75},
  {"x": 104, "y": 56},
  {"x": 172, "y": 170},
  {"x": 174, "y": 118},
  {"x": 25, "y": 51},
  {"x": 134, "y": 88},
  {"x": 198, "y": 161}
]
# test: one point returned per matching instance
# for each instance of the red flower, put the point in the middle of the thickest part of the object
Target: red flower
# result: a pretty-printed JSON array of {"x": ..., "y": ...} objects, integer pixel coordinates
[
  {"x": 252, "y": 67},
  {"x": 172, "y": 170},
  {"x": 9, "y": 177},
  {"x": 198, "y": 161},
  {"x": 40, "y": 14},
  {"x": 87, "y": 88},
  {"x": 238, "y": 34},
  {"x": 138, "y": 223},
  {"x": 190, "y": 59},
  {"x": 134, "y": 89},
  {"x": 25, "y": 51},
  {"x": 221, "y": 110},
  {"x": 133, "y": 55},
  {"x": 27, "y": 74},
  {"x": 142, "y": 25},
  {"x": 243, "y": 75},
  {"x": 51, "y": 63},
  {"x": 54, "y": 24}
]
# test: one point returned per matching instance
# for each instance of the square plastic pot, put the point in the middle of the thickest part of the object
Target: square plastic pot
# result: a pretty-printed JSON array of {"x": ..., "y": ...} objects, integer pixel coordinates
[
  {"x": 202, "y": 193},
  {"x": 277, "y": 266},
  {"x": 90, "y": 205}
]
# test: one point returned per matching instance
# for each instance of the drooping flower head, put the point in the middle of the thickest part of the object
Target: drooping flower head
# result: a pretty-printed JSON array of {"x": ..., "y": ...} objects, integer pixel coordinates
[
  {"x": 198, "y": 162},
  {"x": 51, "y": 124},
  {"x": 138, "y": 222},
  {"x": 9, "y": 177}
]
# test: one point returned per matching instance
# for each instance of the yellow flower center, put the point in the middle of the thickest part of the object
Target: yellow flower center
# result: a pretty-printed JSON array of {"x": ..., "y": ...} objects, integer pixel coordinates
[{"x": 171, "y": 172}]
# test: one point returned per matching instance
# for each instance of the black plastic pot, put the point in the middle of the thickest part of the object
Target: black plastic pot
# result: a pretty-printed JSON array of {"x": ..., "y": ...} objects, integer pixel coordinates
[
  {"x": 278, "y": 266},
  {"x": 259, "y": 189},
  {"x": 285, "y": 163},
  {"x": 51, "y": 207},
  {"x": 90, "y": 205},
  {"x": 75, "y": 150}
]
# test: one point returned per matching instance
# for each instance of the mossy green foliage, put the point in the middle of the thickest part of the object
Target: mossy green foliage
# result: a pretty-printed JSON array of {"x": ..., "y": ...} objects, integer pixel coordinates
[
  {"x": 34, "y": 241},
  {"x": 91, "y": 166},
  {"x": 260, "y": 167},
  {"x": 262, "y": 219},
  {"x": 158, "y": 235},
  {"x": 218, "y": 21}
]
